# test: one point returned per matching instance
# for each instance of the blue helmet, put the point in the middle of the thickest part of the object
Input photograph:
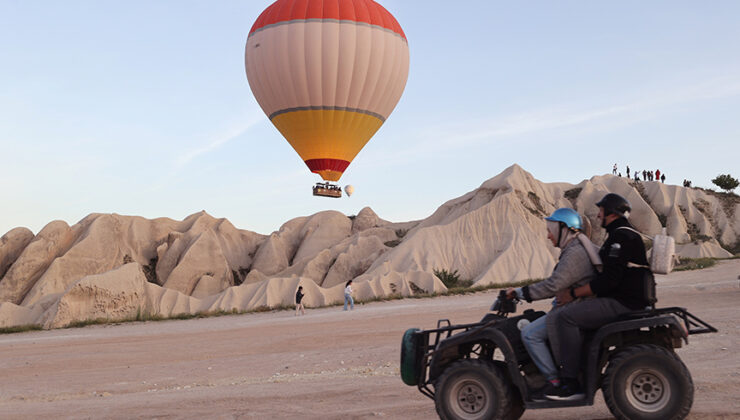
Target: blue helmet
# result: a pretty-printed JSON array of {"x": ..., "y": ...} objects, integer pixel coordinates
[{"x": 569, "y": 217}]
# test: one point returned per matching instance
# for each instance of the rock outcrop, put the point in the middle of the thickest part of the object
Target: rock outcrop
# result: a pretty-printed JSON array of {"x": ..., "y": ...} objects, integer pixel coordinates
[{"x": 118, "y": 267}]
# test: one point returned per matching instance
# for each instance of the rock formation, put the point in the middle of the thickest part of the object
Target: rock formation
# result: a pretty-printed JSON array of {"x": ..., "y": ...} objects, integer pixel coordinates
[{"x": 120, "y": 267}]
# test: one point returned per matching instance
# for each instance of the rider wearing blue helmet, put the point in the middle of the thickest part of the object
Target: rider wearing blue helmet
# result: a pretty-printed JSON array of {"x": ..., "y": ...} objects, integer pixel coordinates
[{"x": 575, "y": 267}]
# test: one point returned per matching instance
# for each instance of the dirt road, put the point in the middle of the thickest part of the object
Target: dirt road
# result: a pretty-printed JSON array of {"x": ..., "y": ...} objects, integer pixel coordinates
[{"x": 328, "y": 364}]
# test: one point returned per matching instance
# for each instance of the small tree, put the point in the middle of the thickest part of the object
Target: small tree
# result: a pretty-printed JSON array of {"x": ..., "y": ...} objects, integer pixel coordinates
[{"x": 726, "y": 182}]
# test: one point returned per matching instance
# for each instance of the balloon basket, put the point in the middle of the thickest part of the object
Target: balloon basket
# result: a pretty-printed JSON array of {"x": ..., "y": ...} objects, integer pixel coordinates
[{"x": 325, "y": 189}]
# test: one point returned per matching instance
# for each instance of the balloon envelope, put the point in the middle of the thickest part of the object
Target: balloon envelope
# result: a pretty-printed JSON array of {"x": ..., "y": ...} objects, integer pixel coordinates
[
  {"x": 327, "y": 73},
  {"x": 349, "y": 190}
]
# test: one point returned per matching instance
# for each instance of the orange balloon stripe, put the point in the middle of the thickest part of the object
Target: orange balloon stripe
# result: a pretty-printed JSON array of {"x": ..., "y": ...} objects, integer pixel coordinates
[
  {"x": 327, "y": 133},
  {"x": 364, "y": 11}
]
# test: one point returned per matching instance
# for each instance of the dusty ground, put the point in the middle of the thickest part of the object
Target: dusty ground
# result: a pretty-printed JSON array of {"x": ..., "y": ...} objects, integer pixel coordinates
[{"x": 328, "y": 364}]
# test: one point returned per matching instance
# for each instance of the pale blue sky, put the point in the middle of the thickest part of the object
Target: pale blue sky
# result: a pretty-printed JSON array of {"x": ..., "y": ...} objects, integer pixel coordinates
[{"x": 143, "y": 107}]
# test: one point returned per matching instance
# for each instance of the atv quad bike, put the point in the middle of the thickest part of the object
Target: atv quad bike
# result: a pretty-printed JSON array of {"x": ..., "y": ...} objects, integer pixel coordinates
[{"x": 482, "y": 370}]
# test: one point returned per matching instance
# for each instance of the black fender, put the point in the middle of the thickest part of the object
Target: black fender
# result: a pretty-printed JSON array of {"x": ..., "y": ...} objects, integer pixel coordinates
[
  {"x": 479, "y": 335},
  {"x": 595, "y": 345}
]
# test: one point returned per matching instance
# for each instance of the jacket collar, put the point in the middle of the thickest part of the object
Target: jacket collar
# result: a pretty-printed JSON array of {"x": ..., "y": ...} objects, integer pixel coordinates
[{"x": 617, "y": 223}]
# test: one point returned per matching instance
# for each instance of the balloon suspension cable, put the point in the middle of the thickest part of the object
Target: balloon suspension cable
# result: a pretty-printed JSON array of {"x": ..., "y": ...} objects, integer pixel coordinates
[{"x": 327, "y": 189}]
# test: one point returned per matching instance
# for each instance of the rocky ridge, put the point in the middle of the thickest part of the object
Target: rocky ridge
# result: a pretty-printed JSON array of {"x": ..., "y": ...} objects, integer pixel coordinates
[{"x": 113, "y": 266}]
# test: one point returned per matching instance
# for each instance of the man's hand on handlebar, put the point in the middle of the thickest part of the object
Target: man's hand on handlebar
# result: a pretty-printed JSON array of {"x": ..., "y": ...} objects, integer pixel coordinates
[{"x": 510, "y": 293}]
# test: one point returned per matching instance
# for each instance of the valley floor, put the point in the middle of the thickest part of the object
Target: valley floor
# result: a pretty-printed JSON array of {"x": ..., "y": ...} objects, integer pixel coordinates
[{"x": 328, "y": 364}]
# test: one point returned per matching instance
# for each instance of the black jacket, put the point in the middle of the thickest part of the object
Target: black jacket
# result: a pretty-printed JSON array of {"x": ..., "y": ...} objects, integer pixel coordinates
[
  {"x": 298, "y": 297},
  {"x": 618, "y": 281}
]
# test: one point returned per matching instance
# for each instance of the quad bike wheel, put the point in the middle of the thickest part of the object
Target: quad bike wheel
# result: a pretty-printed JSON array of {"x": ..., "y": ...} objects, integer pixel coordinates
[
  {"x": 474, "y": 389},
  {"x": 409, "y": 357},
  {"x": 647, "y": 382}
]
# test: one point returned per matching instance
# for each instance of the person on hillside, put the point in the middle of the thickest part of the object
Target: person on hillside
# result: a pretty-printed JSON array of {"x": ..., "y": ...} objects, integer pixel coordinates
[
  {"x": 619, "y": 288},
  {"x": 637, "y": 177},
  {"x": 662, "y": 178},
  {"x": 576, "y": 266},
  {"x": 614, "y": 169},
  {"x": 628, "y": 171},
  {"x": 348, "y": 296},
  {"x": 657, "y": 174},
  {"x": 298, "y": 304},
  {"x": 644, "y": 175}
]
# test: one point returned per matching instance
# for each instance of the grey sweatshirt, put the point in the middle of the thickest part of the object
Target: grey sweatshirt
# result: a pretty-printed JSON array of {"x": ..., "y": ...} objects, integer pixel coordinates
[{"x": 574, "y": 268}]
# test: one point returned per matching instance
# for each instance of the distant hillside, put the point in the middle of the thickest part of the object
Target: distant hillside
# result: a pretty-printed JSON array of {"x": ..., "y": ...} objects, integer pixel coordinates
[{"x": 113, "y": 266}]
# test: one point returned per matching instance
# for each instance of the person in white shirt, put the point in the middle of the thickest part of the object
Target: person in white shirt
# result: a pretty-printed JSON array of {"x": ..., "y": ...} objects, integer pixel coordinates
[{"x": 348, "y": 296}]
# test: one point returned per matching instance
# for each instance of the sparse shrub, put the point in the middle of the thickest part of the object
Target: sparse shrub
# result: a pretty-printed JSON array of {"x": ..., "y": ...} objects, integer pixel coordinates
[
  {"x": 452, "y": 279},
  {"x": 392, "y": 243},
  {"x": 694, "y": 264},
  {"x": 726, "y": 182},
  {"x": 20, "y": 328},
  {"x": 127, "y": 259}
]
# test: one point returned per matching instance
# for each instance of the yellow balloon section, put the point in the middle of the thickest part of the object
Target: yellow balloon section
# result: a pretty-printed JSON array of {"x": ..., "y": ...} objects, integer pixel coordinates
[
  {"x": 327, "y": 134},
  {"x": 327, "y": 74}
]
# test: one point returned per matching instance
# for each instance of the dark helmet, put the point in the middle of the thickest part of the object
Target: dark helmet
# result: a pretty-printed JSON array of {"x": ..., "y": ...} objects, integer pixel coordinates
[{"x": 614, "y": 204}]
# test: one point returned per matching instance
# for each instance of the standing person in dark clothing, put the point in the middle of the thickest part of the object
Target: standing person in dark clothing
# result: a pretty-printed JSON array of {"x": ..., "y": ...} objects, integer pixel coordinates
[
  {"x": 298, "y": 304},
  {"x": 644, "y": 175},
  {"x": 618, "y": 289},
  {"x": 662, "y": 178},
  {"x": 628, "y": 171}
]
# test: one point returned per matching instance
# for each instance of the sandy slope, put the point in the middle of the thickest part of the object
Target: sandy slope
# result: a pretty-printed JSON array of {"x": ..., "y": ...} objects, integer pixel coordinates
[{"x": 328, "y": 364}]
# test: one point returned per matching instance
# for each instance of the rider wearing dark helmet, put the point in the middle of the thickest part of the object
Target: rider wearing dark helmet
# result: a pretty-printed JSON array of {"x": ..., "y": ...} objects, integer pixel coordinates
[{"x": 618, "y": 289}]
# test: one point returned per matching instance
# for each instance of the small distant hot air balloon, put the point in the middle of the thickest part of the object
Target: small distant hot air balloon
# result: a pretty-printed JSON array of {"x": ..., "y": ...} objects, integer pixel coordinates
[
  {"x": 349, "y": 190},
  {"x": 327, "y": 73}
]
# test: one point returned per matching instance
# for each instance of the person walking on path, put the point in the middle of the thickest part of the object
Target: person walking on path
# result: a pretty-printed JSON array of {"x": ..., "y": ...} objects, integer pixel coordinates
[
  {"x": 348, "y": 296},
  {"x": 298, "y": 304},
  {"x": 662, "y": 178}
]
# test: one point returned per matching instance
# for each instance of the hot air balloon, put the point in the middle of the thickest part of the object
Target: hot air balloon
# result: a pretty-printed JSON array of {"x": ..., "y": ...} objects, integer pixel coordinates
[
  {"x": 327, "y": 73},
  {"x": 349, "y": 190}
]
